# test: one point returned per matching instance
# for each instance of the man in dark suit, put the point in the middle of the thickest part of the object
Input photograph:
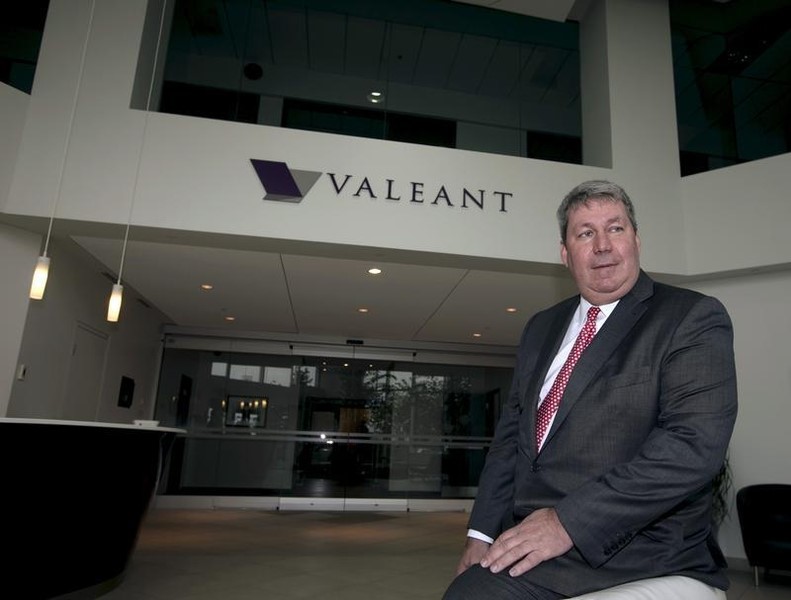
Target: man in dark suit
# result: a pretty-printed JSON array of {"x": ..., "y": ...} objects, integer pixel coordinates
[{"x": 618, "y": 487}]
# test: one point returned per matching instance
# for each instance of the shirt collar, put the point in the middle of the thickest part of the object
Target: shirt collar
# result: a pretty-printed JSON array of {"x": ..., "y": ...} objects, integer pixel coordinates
[{"x": 606, "y": 309}]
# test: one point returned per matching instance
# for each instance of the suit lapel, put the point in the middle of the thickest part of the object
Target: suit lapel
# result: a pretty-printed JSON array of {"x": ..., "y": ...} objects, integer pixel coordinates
[{"x": 612, "y": 334}]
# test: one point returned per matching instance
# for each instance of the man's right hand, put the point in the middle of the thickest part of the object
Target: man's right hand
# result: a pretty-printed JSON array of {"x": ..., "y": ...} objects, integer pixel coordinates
[{"x": 473, "y": 553}]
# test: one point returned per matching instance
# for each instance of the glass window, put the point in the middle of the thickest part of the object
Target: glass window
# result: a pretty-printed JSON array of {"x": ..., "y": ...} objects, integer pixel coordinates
[
  {"x": 304, "y": 376},
  {"x": 278, "y": 376},
  {"x": 21, "y": 30},
  {"x": 429, "y": 72},
  {"x": 245, "y": 373},
  {"x": 732, "y": 65},
  {"x": 219, "y": 369},
  {"x": 327, "y": 427}
]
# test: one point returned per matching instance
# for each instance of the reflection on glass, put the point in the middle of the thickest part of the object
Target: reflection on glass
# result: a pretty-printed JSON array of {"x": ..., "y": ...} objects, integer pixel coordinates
[
  {"x": 277, "y": 376},
  {"x": 245, "y": 411},
  {"x": 436, "y": 73},
  {"x": 302, "y": 375},
  {"x": 341, "y": 427},
  {"x": 219, "y": 369},
  {"x": 245, "y": 373}
]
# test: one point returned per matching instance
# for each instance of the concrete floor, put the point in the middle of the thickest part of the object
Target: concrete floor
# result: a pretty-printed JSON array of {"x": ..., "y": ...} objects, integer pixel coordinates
[{"x": 290, "y": 555}]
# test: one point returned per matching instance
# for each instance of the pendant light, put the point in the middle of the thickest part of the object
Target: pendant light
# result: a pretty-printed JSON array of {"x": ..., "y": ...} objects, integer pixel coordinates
[
  {"x": 41, "y": 272},
  {"x": 117, "y": 293}
]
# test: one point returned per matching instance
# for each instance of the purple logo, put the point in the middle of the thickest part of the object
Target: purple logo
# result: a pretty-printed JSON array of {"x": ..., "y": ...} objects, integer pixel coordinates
[{"x": 281, "y": 183}]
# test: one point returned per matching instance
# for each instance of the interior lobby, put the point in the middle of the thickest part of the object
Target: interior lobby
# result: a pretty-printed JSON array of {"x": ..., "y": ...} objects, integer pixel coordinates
[{"x": 329, "y": 222}]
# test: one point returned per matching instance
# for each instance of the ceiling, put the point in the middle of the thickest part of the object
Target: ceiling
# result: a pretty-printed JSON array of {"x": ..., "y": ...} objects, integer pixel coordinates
[{"x": 304, "y": 294}]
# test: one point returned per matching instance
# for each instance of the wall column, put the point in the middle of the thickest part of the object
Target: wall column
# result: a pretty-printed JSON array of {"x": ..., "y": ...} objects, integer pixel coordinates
[
  {"x": 18, "y": 252},
  {"x": 629, "y": 110}
]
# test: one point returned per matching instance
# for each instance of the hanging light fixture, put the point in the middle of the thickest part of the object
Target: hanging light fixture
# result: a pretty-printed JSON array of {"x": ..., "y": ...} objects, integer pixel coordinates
[
  {"x": 117, "y": 293},
  {"x": 41, "y": 272},
  {"x": 114, "y": 305}
]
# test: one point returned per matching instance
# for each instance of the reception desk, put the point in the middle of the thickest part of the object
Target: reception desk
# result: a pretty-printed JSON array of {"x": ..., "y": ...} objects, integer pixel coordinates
[{"x": 73, "y": 497}]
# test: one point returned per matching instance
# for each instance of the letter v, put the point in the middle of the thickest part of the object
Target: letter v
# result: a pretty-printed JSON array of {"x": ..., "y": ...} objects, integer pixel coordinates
[{"x": 338, "y": 189}]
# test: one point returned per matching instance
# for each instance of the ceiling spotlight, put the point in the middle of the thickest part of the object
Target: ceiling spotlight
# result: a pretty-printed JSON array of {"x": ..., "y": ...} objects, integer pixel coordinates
[
  {"x": 230, "y": 318},
  {"x": 375, "y": 271},
  {"x": 375, "y": 97},
  {"x": 362, "y": 309},
  {"x": 477, "y": 335},
  {"x": 206, "y": 286},
  {"x": 510, "y": 309}
]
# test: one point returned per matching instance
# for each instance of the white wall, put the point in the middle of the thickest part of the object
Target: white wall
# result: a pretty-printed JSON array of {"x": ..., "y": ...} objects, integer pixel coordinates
[
  {"x": 18, "y": 248},
  {"x": 77, "y": 294},
  {"x": 760, "y": 447},
  {"x": 104, "y": 135},
  {"x": 13, "y": 107},
  {"x": 737, "y": 218},
  {"x": 18, "y": 252}
]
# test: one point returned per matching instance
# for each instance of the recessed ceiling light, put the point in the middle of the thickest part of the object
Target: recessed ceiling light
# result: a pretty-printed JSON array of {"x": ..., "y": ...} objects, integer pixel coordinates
[
  {"x": 230, "y": 318},
  {"x": 374, "y": 270},
  {"x": 510, "y": 309},
  {"x": 362, "y": 309},
  {"x": 477, "y": 335},
  {"x": 206, "y": 286},
  {"x": 375, "y": 97}
]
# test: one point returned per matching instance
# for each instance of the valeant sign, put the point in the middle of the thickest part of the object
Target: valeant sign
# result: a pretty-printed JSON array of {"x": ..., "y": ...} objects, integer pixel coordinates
[{"x": 283, "y": 184}]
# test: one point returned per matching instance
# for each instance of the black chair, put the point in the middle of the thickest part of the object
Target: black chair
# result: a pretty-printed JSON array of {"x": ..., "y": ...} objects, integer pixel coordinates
[{"x": 765, "y": 521}]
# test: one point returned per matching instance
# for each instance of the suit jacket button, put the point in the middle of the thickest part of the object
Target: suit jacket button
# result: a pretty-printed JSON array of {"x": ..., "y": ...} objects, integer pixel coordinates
[{"x": 535, "y": 468}]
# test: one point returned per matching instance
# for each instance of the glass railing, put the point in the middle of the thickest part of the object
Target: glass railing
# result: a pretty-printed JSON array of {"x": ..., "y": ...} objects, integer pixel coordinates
[{"x": 309, "y": 464}]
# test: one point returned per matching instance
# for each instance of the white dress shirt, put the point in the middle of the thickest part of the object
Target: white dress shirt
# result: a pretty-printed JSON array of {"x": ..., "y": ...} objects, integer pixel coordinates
[{"x": 573, "y": 330}]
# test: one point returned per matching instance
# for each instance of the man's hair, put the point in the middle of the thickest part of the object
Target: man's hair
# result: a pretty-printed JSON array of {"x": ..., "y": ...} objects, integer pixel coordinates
[{"x": 593, "y": 190}]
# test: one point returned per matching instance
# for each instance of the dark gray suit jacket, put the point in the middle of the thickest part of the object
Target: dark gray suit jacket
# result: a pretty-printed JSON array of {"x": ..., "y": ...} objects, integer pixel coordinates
[{"x": 642, "y": 429}]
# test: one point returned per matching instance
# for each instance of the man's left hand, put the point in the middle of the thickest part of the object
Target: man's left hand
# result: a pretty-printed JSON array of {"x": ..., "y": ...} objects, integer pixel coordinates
[{"x": 537, "y": 538}]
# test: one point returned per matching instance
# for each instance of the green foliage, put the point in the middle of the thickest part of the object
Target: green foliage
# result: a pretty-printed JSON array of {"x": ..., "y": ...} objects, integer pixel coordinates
[{"x": 721, "y": 484}]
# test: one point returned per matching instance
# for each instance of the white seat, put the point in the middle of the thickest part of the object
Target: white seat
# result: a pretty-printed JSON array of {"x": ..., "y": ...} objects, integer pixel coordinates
[{"x": 670, "y": 587}]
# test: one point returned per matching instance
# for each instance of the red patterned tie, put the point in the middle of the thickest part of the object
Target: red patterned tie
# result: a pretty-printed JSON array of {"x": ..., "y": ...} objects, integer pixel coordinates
[{"x": 550, "y": 404}]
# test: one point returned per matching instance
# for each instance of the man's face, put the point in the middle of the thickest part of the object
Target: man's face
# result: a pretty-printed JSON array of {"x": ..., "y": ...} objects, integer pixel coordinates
[{"x": 602, "y": 250}]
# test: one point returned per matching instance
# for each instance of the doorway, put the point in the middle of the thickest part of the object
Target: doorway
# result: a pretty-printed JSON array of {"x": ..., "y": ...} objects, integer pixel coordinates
[{"x": 86, "y": 370}]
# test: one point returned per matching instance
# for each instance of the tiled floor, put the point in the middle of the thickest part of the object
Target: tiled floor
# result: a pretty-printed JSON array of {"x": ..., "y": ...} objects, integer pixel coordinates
[{"x": 289, "y": 555}]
